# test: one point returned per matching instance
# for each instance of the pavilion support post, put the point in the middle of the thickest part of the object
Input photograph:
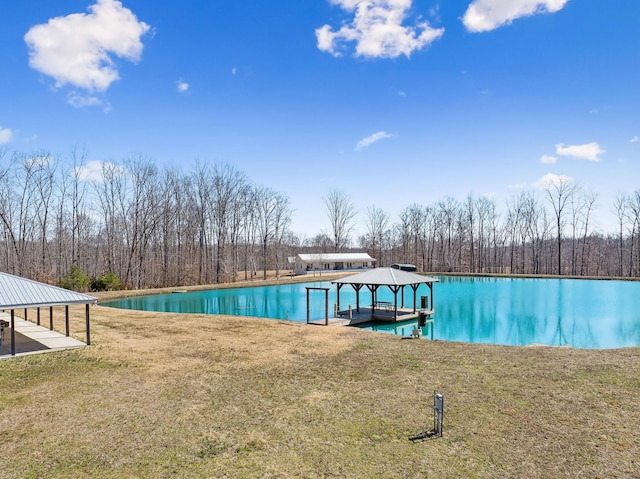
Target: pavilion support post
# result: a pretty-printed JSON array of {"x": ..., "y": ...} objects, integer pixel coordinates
[
  {"x": 308, "y": 307},
  {"x": 66, "y": 320},
  {"x": 13, "y": 332},
  {"x": 51, "y": 318},
  {"x": 38, "y": 316},
  {"x": 87, "y": 324},
  {"x": 402, "y": 296},
  {"x": 338, "y": 286}
]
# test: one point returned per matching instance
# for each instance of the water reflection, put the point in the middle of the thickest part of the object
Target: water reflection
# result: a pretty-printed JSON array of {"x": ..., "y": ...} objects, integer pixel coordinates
[{"x": 558, "y": 312}]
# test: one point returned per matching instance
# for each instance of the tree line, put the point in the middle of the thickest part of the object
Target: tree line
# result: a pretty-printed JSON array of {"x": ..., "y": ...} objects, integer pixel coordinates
[
  {"x": 139, "y": 225},
  {"x": 150, "y": 227},
  {"x": 535, "y": 233}
]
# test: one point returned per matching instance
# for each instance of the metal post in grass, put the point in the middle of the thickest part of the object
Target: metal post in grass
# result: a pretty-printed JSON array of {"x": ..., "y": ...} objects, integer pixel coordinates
[
  {"x": 66, "y": 320},
  {"x": 51, "y": 318},
  {"x": 438, "y": 413}
]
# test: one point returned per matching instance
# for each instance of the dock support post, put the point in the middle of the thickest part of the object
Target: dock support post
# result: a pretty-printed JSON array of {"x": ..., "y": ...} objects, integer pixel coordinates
[{"x": 326, "y": 307}]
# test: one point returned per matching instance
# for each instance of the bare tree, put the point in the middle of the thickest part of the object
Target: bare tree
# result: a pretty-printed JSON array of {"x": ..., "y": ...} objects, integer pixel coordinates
[
  {"x": 44, "y": 183},
  {"x": 78, "y": 193},
  {"x": 589, "y": 204},
  {"x": 226, "y": 184},
  {"x": 281, "y": 219},
  {"x": 201, "y": 181},
  {"x": 558, "y": 192},
  {"x": 620, "y": 206},
  {"x": 271, "y": 207},
  {"x": 448, "y": 211},
  {"x": 377, "y": 224},
  {"x": 110, "y": 191},
  {"x": 16, "y": 208},
  {"x": 341, "y": 213},
  {"x": 320, "y": 243},
  {"x": 249, "y": 215},
  {"x": 634, "y": 233}
]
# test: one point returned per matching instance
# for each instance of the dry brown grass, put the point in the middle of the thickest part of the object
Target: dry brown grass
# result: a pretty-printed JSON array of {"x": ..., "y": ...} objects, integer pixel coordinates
[{"x": 177, "y": 395}]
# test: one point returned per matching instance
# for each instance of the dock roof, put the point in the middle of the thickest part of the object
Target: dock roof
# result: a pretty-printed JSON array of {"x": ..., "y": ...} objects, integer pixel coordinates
[{"x": 386, "y": 277}]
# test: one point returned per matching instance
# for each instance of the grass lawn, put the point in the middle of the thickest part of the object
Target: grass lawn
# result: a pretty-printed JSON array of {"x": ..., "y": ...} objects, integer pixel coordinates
[{"x": 164, "y": 395}]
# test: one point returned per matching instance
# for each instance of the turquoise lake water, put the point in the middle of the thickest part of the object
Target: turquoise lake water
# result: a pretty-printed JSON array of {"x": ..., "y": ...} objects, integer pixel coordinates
[{"x": 557, "y": 312}]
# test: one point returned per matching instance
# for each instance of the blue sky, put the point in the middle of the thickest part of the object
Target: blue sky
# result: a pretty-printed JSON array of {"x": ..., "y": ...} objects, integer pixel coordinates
[{"x": 393, "y": 101}]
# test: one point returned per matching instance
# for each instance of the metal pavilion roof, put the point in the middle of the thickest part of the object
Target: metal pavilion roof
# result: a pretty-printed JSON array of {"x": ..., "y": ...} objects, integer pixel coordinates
[
  {"x": 17, "y": 292},
  {"x": 386, "y": 277}
]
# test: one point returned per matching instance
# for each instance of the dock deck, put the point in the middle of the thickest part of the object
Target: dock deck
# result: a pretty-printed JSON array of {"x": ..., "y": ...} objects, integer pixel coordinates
[{"x": 367, "y": 314}]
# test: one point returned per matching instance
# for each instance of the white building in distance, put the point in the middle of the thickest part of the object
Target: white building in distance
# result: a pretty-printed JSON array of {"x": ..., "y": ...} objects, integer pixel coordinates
[{"x": 304, "y": 263}]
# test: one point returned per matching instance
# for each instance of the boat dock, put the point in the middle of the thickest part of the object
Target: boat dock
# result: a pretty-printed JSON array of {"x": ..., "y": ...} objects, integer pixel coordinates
[{"x": 353, "y": 317}]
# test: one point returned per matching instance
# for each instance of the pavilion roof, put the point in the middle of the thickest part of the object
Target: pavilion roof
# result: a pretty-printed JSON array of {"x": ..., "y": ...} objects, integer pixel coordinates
[
  {"x": 17, "y": 292},
  {"x": 386, "y": 277}
]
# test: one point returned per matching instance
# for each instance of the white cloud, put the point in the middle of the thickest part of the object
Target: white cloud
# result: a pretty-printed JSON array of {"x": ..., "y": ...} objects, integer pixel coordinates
[
  {"x": 517, "y": 186},
  {"x": 182, "y": 86},
  {"x": 40, "y": 160},
  {"x": 234, "y": 71},
  {"x": 76, "y": 49},
  {"x": 370, "y": 140},
  {"x": 377, "y": 30},
  {"x": 82, "y": 101},
  {"x": 94, "y": 170},
  {"x": 551, "y": 179},
  {"x": 548, "y": 159},
  {"x": 589, "y": 151},
  {"x": 486, "y": 15},
  {"x": 6, "y": 135},
  {"x": 635, "y": 139}
]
